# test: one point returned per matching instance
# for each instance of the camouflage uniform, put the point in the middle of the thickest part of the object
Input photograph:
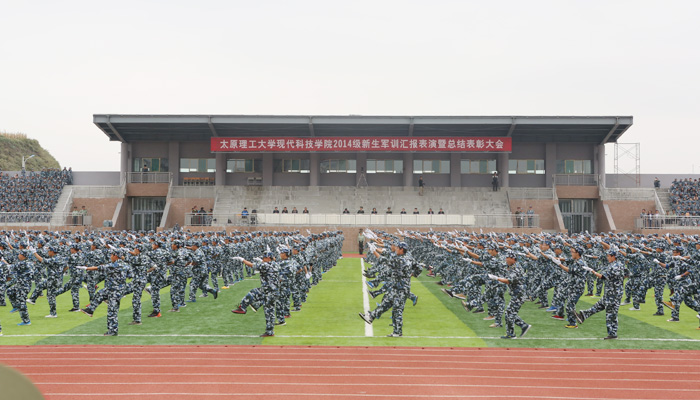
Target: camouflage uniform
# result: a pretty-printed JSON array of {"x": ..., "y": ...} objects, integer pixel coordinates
[
  {"x": 516, "y": 278},
  {"x": 115, "y": 286},
  {"x": 20, "y": 285},
  {"x": 269, "y": 282},
  {"x": 614, "y": 276},
  {"x": 157, "y": 276}
]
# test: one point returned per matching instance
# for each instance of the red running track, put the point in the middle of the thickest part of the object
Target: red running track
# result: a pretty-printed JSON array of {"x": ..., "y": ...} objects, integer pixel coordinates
[{"x": 310, "y": 373}]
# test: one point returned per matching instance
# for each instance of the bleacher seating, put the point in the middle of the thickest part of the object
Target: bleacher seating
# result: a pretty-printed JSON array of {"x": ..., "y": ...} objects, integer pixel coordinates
[
  {"x": 33, "y": 192},
  {"x": 684, "y": 197}
]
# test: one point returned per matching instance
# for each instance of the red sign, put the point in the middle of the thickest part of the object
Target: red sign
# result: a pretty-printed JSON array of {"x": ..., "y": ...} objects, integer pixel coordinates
[{"x": 387, "y": 144}]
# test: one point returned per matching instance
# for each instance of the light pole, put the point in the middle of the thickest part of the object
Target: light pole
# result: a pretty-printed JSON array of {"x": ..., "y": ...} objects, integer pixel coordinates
[{"x": 24, "y": 161}]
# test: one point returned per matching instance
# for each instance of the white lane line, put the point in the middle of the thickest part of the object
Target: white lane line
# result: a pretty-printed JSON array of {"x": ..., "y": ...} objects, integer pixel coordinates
[
  {"x": 595, "y": 339},
  {"x": 369, "y": 331}
]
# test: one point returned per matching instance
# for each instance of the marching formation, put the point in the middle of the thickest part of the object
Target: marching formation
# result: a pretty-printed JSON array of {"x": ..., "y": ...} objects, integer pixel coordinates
[
  {"x": 480, "y": 268},
  {"x": 128, "y": 262}
]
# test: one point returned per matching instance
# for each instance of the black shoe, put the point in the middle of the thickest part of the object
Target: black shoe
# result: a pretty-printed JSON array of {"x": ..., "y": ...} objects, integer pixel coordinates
[
  {"x": 658, "y": 313},
  {"x": 215, "y": 293},
  {"x": 267, "y": 335},
  {"x": 110, "y": 334},
  {"x": 508, "y": 337},
  {"x": 281, "y": 323},
  {"x": 74, "y": 309},
  {"x": 394, "y": 335},
  {"x": 367, "y": 318},
  {"x": 134, "y": 323},
  {"x": 86, "y": 312},
  {"x": 525, "y": 330},
  {"x": 610, "y": 337}
]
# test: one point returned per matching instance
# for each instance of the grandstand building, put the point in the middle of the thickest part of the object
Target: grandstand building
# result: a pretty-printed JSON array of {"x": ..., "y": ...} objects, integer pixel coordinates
[{"x": 225, "y": 163}]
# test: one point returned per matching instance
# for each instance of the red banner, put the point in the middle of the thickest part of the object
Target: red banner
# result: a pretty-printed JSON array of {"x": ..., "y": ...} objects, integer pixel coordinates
[{"x": 387, "y": 144}]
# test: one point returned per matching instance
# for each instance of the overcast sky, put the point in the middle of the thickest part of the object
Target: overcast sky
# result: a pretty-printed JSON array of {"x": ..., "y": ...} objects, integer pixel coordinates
[{"x": 63, "y": 61}]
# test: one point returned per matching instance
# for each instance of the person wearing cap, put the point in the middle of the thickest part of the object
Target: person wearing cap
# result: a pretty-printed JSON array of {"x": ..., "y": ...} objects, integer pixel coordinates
[
  {"x": 402, "y": 269},
  {"x": 22, "y": 272},
  {"x": 55, "y": 267},
  {"x": 269, "y": 288},
  {"x": 157, "y": 275},
  {"x": 683, "y": 283},
  {"x": 115, "y": 284},
  {"x": 140, "y": 263},
  {"x": 200, "y": 273},
  {"x": 180, "y": 259},
  {"x": 77, "y": 276},
  {"x": 287, "y": 271},
  {"x": 515, "y": 279},
  {"x": 657, "y": 278},
  {"x": 614, "y": 274},
  {"x": 574, "y": 283}
]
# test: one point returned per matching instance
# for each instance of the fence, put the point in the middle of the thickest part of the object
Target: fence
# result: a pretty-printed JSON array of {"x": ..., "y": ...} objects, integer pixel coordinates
[
  {"x": 44, "y": 218},
  {"x": 479, "y": 221},
  {"x": 198, "y": 219},
  {"x": 667, "y": 222},
  {"x": 148, "y": 177},
  {"x": 575, "y": 180}
]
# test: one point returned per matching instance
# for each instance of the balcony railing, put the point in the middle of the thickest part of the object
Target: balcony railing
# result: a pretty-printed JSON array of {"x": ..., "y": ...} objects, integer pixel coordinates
[
  {"x": 476, "y": 221},
  {"x": 44, "y": 218},
  {"x": 575, "y": 180},
  {"x": 198, "y": 219},
  {"x": 667, "y": 222},
  {"x": 148, "y": 177}
]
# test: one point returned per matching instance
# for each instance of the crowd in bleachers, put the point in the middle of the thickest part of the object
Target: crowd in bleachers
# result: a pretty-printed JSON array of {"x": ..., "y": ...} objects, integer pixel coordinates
[
  {"x": 683, "y": 195},
  {"x": 31, "y": 196}
]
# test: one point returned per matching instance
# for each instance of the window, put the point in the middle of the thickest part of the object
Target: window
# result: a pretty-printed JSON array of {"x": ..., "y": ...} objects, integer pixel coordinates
[
  {"x": 526, "y": 167},
  {"x": 152, "y": 164},
  {"x": 431, "y": 166},
  {"x": 292, "y": 166},
  {"x": 197, "y": 165},
  {"x": 478, "y": 166},
  {"x": 384, "y": 166},
  {"x": 574, "y": 167},
  {"x": 340, "y": 166},
  {"x": 245, "y": 165}
]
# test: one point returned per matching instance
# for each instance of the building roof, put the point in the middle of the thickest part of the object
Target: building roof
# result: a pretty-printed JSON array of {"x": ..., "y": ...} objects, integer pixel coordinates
[{"x": 188, "y": 128}]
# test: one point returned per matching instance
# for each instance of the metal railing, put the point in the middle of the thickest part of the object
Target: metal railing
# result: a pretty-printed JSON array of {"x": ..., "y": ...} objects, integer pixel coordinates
[
  {"x": 530, "y": 193},
  {"x": 198, "y": 219},
  {"x": 575, "y": 179},
  {"x": 45, "y": 218},
  {"x": 470, "y": 220},
  {"x": 148, "y": 177},
  {"x": 667, "y": 222}
]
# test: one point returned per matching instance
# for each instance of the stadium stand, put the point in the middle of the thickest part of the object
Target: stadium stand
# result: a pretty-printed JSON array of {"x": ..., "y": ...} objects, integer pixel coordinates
[
  {"x": 684, "y": 197},
  {"x": 31, "y": 197}
]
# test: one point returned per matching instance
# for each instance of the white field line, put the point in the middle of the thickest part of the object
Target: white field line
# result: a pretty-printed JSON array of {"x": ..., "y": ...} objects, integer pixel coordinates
[{"x": 369, "y": 331}]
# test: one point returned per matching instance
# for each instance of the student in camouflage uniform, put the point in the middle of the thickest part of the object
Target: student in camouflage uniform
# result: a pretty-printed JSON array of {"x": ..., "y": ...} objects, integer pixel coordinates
[
  {"x": 515, "y": 279},
  {"x": 269, "y": 286},
  {"x": 76, "y": 258},
  {"x": 157, "y": 275},
  {"x": 55, "y": 267},
  {"x": 614, "y": 275},
  {"x": 115, "y": 284},
  {"x": 402, "y": 268},
  {"x": 683, "y": 282},
  {"x": 22, "y": 272},
  {"x": 140, "y": 262},
  {"x": 179, "y": 261},
  {"x": 575, "y": 284},
  {"x": 200, "y": 273}
]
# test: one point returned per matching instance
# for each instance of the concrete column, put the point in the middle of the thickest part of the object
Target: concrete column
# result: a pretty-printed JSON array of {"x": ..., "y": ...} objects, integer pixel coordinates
[
  {"x": 220, "y": 176},
  {"x": 125, "y": 164},
  {"x": 455, "y": 170},
  {"x": 361, "y": 165},
  {"x": 502, "y": 166},
  {"x": 408, "y": 169},
  {"x": 174, "y": 161},
  {"x": 599, "y": 164},
  {"x": 268, "y": 169},
  {"x": 315, "y": 165},
  {"x": 550, "y": 163}
]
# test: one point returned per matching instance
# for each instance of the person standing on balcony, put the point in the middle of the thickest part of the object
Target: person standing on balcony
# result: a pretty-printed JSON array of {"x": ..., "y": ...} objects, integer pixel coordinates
[
  {"x": 530, "y": 213},
  {"x": 494, "y": 181},
  {"x": 421, "y": 186}
]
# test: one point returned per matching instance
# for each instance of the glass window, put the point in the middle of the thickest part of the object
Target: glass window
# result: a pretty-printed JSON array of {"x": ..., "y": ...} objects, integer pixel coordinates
[
  {"x": 340, "y": 166},
  {"x": 246, "y": 165},
  {"x": 371, "y": 166},
  {"x": 385, "y": 166},
  {"x": 417, "y": 166},
  {"x": 148, "y": 164},
  {"x": 197, "y": 165},
  {"x": 305, "y": 166},
  {"x": 431, "y": 166},
  {"x": 525, "y": 167},
  {"x": 290, "y": 166},
  {"x": 574, "y": 167}
]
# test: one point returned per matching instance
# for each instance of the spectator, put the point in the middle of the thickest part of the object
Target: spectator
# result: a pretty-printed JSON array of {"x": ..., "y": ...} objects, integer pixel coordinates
[
  {"x": 346, "y": 211},
  {"x": 657, "y": 183},
  {"x": 530, "y": 216},
  {"x": 519, "y": 217},
  {"x": 374, "y": 210},
  {"x": 244, "y": 213},
  {"x": 421, "y": 185},
  {"x": 305, "y": 211},
  {"x": 430, "y": 211},
  {"x": 361, "y": 241},
  {"x": 403, "y": 211},
  {"x": 276, "y": 211},
  {"x": 83, "y": 215},
  {"x": 294, "y": 210},
  {"x": 388, "y": 210},
  {"x": 34, "y": 193},
  {"x": 494, "y": 181},
  {"x": 441, "y": 212},
  {"x": 285, "y": 211},
  {"x": 415, "y": 211},
  {"x": 361, "y": 211}
]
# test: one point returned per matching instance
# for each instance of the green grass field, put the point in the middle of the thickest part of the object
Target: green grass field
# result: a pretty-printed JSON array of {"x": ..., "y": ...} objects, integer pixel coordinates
[{"x": 329, "y": 318}]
